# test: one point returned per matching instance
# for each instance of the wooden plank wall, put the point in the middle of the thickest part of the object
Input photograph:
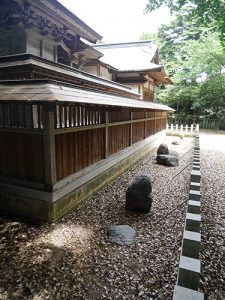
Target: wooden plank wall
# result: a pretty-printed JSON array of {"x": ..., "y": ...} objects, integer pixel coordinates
[
  {"x": 84, "y": 135},
  {"x": 22, "y": 156},
  {"x": 77, "y": 150},
  {"x": 119, "y": 137},
  {"x": 78, "y": 145}
]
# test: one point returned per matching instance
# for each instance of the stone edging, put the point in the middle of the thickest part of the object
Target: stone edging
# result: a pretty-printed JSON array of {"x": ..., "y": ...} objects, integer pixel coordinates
[{"x": 190, "y": 266}]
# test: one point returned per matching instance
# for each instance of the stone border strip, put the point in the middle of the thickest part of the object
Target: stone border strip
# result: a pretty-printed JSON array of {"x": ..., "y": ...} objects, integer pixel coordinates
[{"x": 190, "y": 266}]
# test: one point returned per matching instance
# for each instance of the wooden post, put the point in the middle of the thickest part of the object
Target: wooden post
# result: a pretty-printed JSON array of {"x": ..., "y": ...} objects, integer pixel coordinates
[
  {"x": 131, "y": 128},
  {"x": 49, "y": 146},
  {"x": 106, "y": 134}
]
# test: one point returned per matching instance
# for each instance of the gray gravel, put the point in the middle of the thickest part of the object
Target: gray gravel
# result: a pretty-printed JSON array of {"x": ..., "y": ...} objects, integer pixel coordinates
[
  {"x": 73, "y": 259},
  {"x": 213, "y": 214}
]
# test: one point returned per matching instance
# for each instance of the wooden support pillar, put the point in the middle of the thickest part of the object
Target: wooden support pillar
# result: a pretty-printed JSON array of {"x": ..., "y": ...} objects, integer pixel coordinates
[
  {"x": 49, "y": 146},
  {"x": 106, "y": 134},
  {"x": 131, "y": 128}
]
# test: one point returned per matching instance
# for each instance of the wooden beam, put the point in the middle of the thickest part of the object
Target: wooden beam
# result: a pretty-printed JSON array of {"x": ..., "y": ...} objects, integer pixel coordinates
[{"x": 49, "y": 146}]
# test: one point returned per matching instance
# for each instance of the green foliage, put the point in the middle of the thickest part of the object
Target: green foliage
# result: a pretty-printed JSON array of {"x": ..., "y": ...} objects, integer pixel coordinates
[
  {"x": 199, "y": 82},
  {"x": 194, "y": 58},
  {"x": 205, "y": 12}
]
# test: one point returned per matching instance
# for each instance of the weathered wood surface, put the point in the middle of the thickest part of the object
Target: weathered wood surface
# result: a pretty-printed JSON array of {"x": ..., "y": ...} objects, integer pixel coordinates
[
  {"x": 46, "y": 146},
  {"x": 22, "y": 156}
]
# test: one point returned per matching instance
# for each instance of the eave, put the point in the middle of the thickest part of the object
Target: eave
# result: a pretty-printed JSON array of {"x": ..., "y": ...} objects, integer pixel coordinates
[{"x": 42, "y": 91}]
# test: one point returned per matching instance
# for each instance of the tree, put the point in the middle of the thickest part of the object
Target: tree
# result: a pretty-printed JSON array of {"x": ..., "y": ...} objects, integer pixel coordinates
[
  {"x": 203, "y": 12},
  {"x": 199, "y": 79}
]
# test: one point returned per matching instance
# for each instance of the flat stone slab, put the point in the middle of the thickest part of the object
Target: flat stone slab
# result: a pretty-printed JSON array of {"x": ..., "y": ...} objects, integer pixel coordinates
[
  {"x": 196, "y": 168},
  {"x": 195, "y": 186},
  {"x": 193, "y": 222},
  {"x": 195, "y": 176},
  {"x": 122, "y": 235},
  {"x": 194, "y": 195},
  {"x": 181, "y": 293},
  {"x": 190, "y": 264},
  {"x": 189, "y": 272},
  {"x": 191, "y": 244},
  {"x": 194, "y": 207}
]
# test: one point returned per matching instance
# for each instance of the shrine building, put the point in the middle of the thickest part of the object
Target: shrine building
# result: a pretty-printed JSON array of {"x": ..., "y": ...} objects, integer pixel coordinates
[{"x": 72, "y": 117}]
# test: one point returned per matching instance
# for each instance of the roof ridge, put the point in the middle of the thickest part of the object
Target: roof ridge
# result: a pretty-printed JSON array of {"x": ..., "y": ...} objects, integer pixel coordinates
[{"x": 128, "y": 44}]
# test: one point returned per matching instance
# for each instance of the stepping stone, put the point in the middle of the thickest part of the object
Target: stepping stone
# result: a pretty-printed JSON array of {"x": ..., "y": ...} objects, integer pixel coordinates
[{"x": 122, "y": 235}]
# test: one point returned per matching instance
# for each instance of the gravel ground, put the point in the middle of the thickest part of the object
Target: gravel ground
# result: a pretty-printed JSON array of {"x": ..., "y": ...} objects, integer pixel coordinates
[
  {"x": 213, "y": 214},
  {"x": 73, "y": 259}
]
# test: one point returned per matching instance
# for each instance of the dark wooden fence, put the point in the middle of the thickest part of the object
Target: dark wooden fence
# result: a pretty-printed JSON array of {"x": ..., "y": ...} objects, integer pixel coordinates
[{"x": 45, "y": 143}]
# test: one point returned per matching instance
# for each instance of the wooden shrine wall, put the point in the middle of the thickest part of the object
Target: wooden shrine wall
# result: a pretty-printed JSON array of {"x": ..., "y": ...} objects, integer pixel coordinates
[
  {"x": 88, "y": 134},
  {"x": 81, "y": 135}
]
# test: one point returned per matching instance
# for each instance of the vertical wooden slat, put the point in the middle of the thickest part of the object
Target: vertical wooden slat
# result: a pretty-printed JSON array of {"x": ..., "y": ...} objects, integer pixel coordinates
[
  {"x": 106, "y": 134},
  {"x": 131, "y": 128},
  {"x": 24, "y": 116},
  {"x": 31, "y": 116},
  {"x": 155, "y": 129},
  {"x": 49, "y": 146},
  {"x": 65, "y": 153},
  {"x": 70, "y": 137},
  {"x": 65, "y": 115},
  {"x": 38, "y": 158},
  {"x": 58, "y": 146},
  {"x": 145, "y": 126}
]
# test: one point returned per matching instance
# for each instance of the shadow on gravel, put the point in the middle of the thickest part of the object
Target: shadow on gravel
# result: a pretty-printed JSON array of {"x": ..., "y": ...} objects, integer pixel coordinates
[{"x": 31, "y": 270}]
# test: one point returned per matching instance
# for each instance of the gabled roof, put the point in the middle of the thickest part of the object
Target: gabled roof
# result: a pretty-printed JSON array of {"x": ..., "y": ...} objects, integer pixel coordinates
[
  {"x": 138, "y": 58},
  {"x": 129, "y": 56}
]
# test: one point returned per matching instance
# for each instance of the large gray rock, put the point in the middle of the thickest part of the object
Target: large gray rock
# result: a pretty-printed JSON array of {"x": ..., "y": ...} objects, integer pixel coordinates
[
  {"x": 138, "y": 194},
  {"x": 172, "y": 152},
  {"x": 168, "y": 160},
  {"x": 163, "y": 149},
  {"x": 121, "y": 234}
]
